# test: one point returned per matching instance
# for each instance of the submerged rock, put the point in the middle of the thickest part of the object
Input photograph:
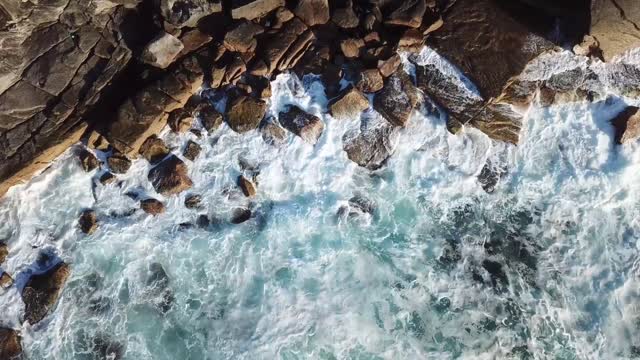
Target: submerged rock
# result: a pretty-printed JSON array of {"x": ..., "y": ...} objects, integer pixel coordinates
[
  {"x": 348, "y": 104},
  {"x": 627, "y": 125},
  {"x": 154, "y": 149},
  {"x": 88, "y": 161},
  {"x": 248, "y": 189},
  {"x": 193, "y": 201},
  {"x": 152, "y": 206},
  {"x": 88, "y": 222},
  {"x": 397, "y": 99},
  {"x": 107, "y": 178},
  {"x": 10, "y": 347},
  {"x": 490, "y": 176},
  {"x": 158, "y": 281},
  {"x": 103, "y": 347},
  {"x": 42, "y": 291},
  {"x": 308, "y": 127},
  {"x": 170, "y": 176},
  {"x": 240, "y": 215},
  {"x": 191, "y": 150}
]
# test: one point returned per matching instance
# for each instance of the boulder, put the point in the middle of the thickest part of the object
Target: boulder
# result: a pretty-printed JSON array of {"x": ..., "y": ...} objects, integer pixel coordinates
[
  {"x": 42, "y": 291},
  {"x": 308, "y": 127},
  {"x": 180, "y": 121},
  {"x": 248, "y": 188},
  {"x": 313, "y": 12},
  {"x": 88, "y": 161},
  {"x": 345, "y": 17},
  {"x": 348, "y": 104},
  {"x": 4, "y": 252},
  {"x": 409, "y": 13},
  {"x": 6, "y": 281},
  {"x": 244, "y": 113},
  {"x": 627, "y": 125},
  {"x": 152, "y": 206},
  {"x": 615, "y": 25},
  {"x": 193, "y": 40},
  {"x": 170, "y": 176},
  {"x": 88, "y": 222},
  {"x": 397, "y": 99},
  {"x": 209, "y": 117},
  {"x": 193, "y": 201},
  {"x": 10, "y": 347},
  {"x": 240, "y": 215},
  {"x": 187, "y": 13},
  {"x": 273, "y": 134},
  {"x": 370, "y": 81},
  {"x": 351, "y": 47},
  {"x": 490, "y": 175},
  {"x": 282, "y": 50},
  {"x": 154, "y": 149},
  {"x": 372, "y": 144},
  {"x": 191, "y": 150},
  {"x": 119, "y": 163},
  {"x": 281, "y": 16},
  {"x": 253, "y": 9},
  {"x": 162, "y": 51},
  {"x": 107, "y": 178},
  {"x": 389, "y": 66},
  {"x": 242, "y": 37}
]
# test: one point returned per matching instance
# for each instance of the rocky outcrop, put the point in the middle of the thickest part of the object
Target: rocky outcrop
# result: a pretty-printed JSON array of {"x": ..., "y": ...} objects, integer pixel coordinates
[
  {"x": 10, "y": 347},
  {"x": 42, "y": 291},
  {"x": 306, "y": 126},
  {"x": 615, "y": 24},
  {"x": 191, "y": 150},
  {"x": 170, "y": 176},
  {"x": 627, "y": 125}
]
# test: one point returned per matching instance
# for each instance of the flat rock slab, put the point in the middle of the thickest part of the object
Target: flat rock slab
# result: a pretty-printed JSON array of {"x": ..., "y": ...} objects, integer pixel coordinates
[
  {"x": 170, "y": 176},
  {"x": 397, "y": 99},
  {"x": 348, "y": 104},
  {"x": 162, "y": 51},
  {"x": 308, "y": 127},
  {"x": 252, "y": 9},
  {"x": 42, "y": 292},
  {"x": 244, "y": 113}
]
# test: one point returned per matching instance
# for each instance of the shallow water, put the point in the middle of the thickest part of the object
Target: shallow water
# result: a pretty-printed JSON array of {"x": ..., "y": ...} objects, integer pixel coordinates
[{"x": 297, "y": 281}]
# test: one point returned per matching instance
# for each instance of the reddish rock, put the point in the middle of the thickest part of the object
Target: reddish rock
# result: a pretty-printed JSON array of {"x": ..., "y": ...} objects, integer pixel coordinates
[
  {"x": 170, "y": 176},
  {"x": 42, "y": 291},
  {"x": 152, "y": 206},
  {"x": 308, "y": 127}
]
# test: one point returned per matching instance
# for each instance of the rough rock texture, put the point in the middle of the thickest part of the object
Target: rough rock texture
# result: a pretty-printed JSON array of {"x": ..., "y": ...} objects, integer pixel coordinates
[
  {"x": 248, "y": 188},
  {"x": 193, "y": 201},
  {"x": 348, "y": 104},
  {"x": 88, "y": 161},
  {"x": 170, "y": 176},
  {"x": 312, "y": 12},
  {"x": 191, "y": 150},
  {"x": 10, "y": 347},
  {"x": 251, "y": 9},
  {"x": 42, "y": 291},
  {"x": 162, "y": 51},
  {"x": 107, "y": 178},
  {"x": 308, "y": 127},
  {"x": 240, "y": 215},
  {"x": 397, "y": 99},
  {"x": 181, "y": 13},
  {"x": 4, "y": 252},
  {"x": 88, "y": 222},
  {"x": 119, "y": 163},
  {"x": 209, "y": 117},
  {"x": 154, "y": 149},
  {"x": 370, "y": 81},
  {"x": 409, "y": 13},
  {"x": 273, "y": 133},
  {"x": 152, "y": 206},
  {"x": 6, "y": 281},
  {"x": 627, "y": 125},
  {"x": 372, "y": 144},
  {"x": 242, "y": 37},
  {"x": 616, "y": 25},
  {"x": 180, "y": 121},
  {"x": 244, "y": 113}
]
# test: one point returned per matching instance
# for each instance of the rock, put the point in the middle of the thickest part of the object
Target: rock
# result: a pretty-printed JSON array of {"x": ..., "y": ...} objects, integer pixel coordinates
[
  {"x": 209, "y": 117},
  {"x": 260, "y": 85},
  {"x": 490, "y": 176},
  {"x": 389, "y": 66},
  {"x": 240, "y": 215},
  {"x": 152, "y": 206},
  {"x": 162, "y": 51},
  {"x": 363, "y": 204},
  {"x": 244, "y": 113},
  {"x": 345, "y": 17},
  {"x": 154, "y": 149},
  {"x": 187, "y": 13},
  {"x": 370, "y": 81},
  {"x": 97, "y": 142},
  {"x": 119, "y": 163},
  {"x": 4, "y": 252},
  {"x": 253, "y": 9},
  {"x": 158, "y": 281},
  {"x": 107, "y": 178},
  {"x": 409, "y": 13},
  {"x": 589, "y": 47},
  {"x": 242, "y": 37},
  {"x": 372, "y": 144},
  {"x": 348, "y": 104},
  {"x": 351, "y": 47},
  {"x": 282, "y": 50},
  {"x": 248, "y": 189},
  {"x": 193, "y": 40},
  {"x": 170, "y": 176},
  {"x": 411, "y": 40},
  {"x": 627, "y": 125},
  {"x": 104, "y": 348},
  {"x": 180, "y": 121},
  {"x": 203, "y": 221},
  {"x": 305, "y": 125},
  {"x": 42, "y": 291},
  {"x": 397, "y": 100},
  {"x": 313, "y": 12},
  {"x": 273, "y": 134},
  {"x": 498, "y": 276},
  {"x": 193, "y": 202},
  {"x": 10, "y": 347},
  {"x": 191, "y": 150},
  {"x": 281, "y": 16},
  {"x": 88, "y": 161},
  {"x": 88, "y": 222},
  {"x": 615, "y": 25},
  {"x": 6, "y": 281}
]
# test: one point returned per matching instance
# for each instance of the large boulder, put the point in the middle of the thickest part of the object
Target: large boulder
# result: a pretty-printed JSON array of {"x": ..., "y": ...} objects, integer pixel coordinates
[
  {"x": 152, "y": 206},
  {"x": 10, "y": 347},
  {"x": 397, "y": 99},
  {"x": 162, "y": 51},
  {"x": 348, "y": 104},
  {"x": 313, "y": 12},
  {"x": 170, "y": 176},
  {"x": 616, "y": 26},
  {"x": 627, "y": 125},
  {"x": 42, "y": 291},
  {"x": 88, "y": 222},
  {"x": 372, "y": 144},
  {"x": 242, "y": 37},
  {"x": 282, "y": 50},
  {"x": 308, "y": 127},
  {"x": 244, "y": 113},
  {"x": 248, "y": 188},
  {"x": 409, "y": 13},
  {"x": 154, "y": 149}
]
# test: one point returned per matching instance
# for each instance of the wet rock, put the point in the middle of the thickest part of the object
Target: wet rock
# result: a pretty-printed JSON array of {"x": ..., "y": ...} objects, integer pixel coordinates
[
  {"x": 409, "y": 13},
  {"x": 348, "y": 104},
  {"x": 242, "y": 37},
  {"x": 490, "y": 176},
  {"x": 351, "y": 47},
  {"x": 397, "y": 100},
  {"x": 308, "y": 127},
  {"x": 154, "y": 149},
  {"x": 42, "y": 291},
  {"x": 10, "y": 347},
  {"x": 389, "y": 66},
  {"x": 88, "y": 222},
  {"x": 203, "y": 221},
  {"x": 616, "y": 26},
  {"x": 170, "y": 176},
  {"x": 180, "y": 121},
  {"x": 119, "y": 163},
  {"x": 627, "y": 125},
  {"x": 244, "y": 113},
  {"x": 152, "y": 206},
  {"x": 273, "y": 134},
  {"x": 158, "y": 281},
  {"x": 107, "y": 178},
  {"x": 253, "y": 9},
  {"x": 209, "y": 117},
  {"x": 193, "y": 201},
  {"x": 4, "y": 252},
  {"x": 372, "y": 145},
  {"x": 313, "y": 12},
  {"x": 363, "y": 204},
  {"x": 6, "y": 281},
  {"x": 88, "y": 161},
  {"x": 103, "y": 347},
  {"x": 497, "y": 274},
  {"x": 248, "y": 188},
  {"x": 370, "y": 81},
  {"x": 162, "y": 51},
  {"x": 191, "y": 150},
  {"x": 240, "y": 215},
  {"x": 345, "y": 17}
]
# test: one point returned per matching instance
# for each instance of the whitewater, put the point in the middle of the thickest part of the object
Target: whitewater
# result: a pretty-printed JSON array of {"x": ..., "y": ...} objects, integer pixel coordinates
[{"x": 312, "y": 275}]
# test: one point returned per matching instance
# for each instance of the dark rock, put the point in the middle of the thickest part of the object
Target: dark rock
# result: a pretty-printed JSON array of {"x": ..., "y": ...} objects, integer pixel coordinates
[
  {"x": 313, "y": 12},
  {"x": 88, "y": 161},
  {"x": 104, "y": 348},
  {"x": 203, "y": 221},
  {"x": 370, "y": 81},
  {"x": 209, "y": 117},
  {"x": 242, "y": 37},
  {"x": 191, "y": 150},
  {"x": 240, "y": 215},
  {"x": 107, "y": 178},
  {"x": 397, "y": 99},
  {"x": 363, "y": 204},
  {"x": 180, "y": 121},
  {"x": 193, "y": 202},
  {"x": 170, "y": 176},
  {"x": 627, "y": 125},
  {"x": 42, "y": 291},
  {"x": 372, "y": 145},
  {"x": 10, "y": 347},
  {"x": 119, "y": 163},
  {"x": 348, "y": 104},
  {"x": 244, "y": 113},
  {"x": 154, "y": 149},
  {"x": 490, "y": 176},
  {"x": 273, "y": 134},
  {"x": 498, "y": 276},
  {"x": 187, "y": 13},
  {"x": 248, "y": 188},
  {"x": 88, "y": 222},
  {"x": 158, "y": 281},
  {"x": 409, "y": 13},
  {"x": 253, "y": 9},
  {"x": 308, "y": 127},
  {"x": 345, "y": 17},
  {"x": 152, "y": 206},
  {"x": 193, "y": 40}
]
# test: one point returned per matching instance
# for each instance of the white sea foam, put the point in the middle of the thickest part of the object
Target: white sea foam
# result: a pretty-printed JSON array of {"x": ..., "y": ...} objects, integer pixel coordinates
[{"x": 294, "y": 282}]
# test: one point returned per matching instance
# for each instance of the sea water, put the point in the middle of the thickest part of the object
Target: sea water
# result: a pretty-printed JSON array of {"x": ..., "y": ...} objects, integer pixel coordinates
[{"x": 303, "y": 279}]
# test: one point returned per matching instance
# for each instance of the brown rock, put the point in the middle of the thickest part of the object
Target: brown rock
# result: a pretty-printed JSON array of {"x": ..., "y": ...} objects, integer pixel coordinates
[
  {"x": 397, "y": 100},
  {"x": 282, "y": 49},
  {"x": 107, "y": 178},
  {"x": 627, "y": 125},
  {"x": 389, "y": 66},
  {"x": 88, "y": 222},
  {"x": 4, "y": 252},
  {"x": 370, "y": 81},
  {"x": 162, "y": 51},
  {"x": 589, "y": 47},
  {"x": 152, "y": 206},
  {"x": 615, "y": 25},
  {"x": 253, "y": 9},
  {"x": 242, "y": 37},
  {"x": 10, "y": 347},
  {"x": 313, "y": 12},
  {"x": 273, "y": 134},
  {"x": 351, "y": 47},
  {"x": 372, "y": 38},
  {"x": 88, "y": 161},
  {"x": 191, "y": 150},
  {"x": 411, "y": 40},
  {"x": 119, "y": 163},
  {"x": 308, "y": 127},
  {"x": 409, "y": 13},
  {"x": 42, "y": 292},
  {"x": 345, "y": 17},
  {"x": 154, "y": 149},
  {"x": 187, "y": 13},
  {"x": 193, "y": 202},
  {"x": 6, "y": 281},
  {"x": 244, "y": 113},
  {"x": 170, "y": 176},
  {"x": 193, "y": 40},
  {"x": 349, "y": 104},
  {"x": 180, "y": 121},
  {"x": 282, "y": 15},
  {"x": 248, "y": 189},
  {"x": 209, "y": 117}
]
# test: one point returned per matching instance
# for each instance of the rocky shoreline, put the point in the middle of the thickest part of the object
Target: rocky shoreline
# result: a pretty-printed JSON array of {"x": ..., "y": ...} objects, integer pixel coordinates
[{"x": 114, "y": 73}]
